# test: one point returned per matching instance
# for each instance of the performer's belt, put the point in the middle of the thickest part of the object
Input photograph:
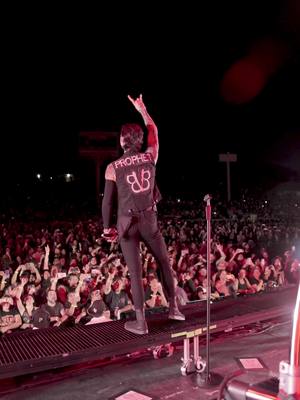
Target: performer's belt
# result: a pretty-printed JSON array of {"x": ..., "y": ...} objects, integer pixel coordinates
[{"x": 136, "y": 212}]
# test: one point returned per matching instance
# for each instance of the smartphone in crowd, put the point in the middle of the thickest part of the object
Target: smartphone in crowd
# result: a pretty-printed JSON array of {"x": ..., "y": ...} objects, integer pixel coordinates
[
  {"x": 85, "y": 276},
  {"x": 95, "y": 271}
]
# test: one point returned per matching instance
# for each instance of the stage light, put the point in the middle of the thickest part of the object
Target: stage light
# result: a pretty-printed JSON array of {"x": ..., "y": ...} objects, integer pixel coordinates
[{"x": 69, "y": 177}]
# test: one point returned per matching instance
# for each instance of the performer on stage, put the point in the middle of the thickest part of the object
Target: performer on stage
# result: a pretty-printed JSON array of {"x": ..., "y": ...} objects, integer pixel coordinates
[{"x": 132, "y": 176}]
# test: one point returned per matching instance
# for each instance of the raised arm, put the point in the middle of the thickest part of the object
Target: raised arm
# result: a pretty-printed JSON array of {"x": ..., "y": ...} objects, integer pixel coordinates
[{"x": 152, "y": 140}]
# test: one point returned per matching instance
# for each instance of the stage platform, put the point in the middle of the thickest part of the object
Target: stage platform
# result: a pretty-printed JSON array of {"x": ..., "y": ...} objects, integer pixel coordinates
[
  {"x": 158, "y": 379},
  {"x": 46, "y": 349}
]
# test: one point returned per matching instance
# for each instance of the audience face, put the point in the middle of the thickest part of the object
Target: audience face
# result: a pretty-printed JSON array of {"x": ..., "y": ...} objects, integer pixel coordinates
[
  {"x": 118, "y": 285},
  {"x": 52, "y": 296},
  {"x": 277, "y": 263},
  {"x": 265, "y": 254},
  {"x": 46, "y": 275},
  {"x": 267, "y": 272},
  {"x": 201, "y": 294},
  {"x": 6, "y": 303},
  {"x": 73, "y": 298},
  {"x": 240, "y": 257},
  {"x": 86, "y": 269},
  {"x": 256, "y": 273},
  {"x": 24, "y": 279},
  {"x": 93, "y": 261},
  {"x": 242, "y": 273},
  {"x": 154, "y": 284},
  {"x": 73, "y": 281},
  {"x": 96, "y": 295}
]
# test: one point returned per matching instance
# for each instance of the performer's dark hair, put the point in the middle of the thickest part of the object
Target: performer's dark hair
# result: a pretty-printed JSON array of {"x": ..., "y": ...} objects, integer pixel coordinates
[{"x": 132, "y": 136}]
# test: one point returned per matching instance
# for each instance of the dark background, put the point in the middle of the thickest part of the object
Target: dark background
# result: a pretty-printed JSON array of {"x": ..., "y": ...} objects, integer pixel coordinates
[{"x": 64, "y": 71}]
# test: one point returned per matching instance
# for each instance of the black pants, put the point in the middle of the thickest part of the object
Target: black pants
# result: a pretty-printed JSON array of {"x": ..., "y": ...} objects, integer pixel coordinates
[{"x": 144, "y": 227}]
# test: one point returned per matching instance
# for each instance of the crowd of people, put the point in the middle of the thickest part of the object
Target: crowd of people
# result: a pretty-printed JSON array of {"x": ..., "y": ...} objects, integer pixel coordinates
[{"x": 62, "y": 273}]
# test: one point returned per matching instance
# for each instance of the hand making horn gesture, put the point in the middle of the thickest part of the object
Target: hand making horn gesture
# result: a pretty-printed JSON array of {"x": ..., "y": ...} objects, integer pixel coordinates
[{"x": 138, "y": 103}]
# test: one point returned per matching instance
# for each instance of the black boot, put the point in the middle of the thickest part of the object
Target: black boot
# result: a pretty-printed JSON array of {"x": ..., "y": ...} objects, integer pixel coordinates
[
  {"x": 174, "y": 312},
  {"x": 140, "y": 325}
]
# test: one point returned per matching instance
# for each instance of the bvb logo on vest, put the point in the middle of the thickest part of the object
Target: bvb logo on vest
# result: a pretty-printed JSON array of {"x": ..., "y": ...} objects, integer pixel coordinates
[{"x": 139, "y": 184}]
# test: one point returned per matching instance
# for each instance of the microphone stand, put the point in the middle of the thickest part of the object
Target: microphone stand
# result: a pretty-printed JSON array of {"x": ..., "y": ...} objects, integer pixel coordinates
[{"x": 207, "y": 378}]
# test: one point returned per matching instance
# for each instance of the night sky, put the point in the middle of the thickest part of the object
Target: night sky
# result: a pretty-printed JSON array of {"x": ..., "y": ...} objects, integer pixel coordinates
[{"x": 68, "y": 74}]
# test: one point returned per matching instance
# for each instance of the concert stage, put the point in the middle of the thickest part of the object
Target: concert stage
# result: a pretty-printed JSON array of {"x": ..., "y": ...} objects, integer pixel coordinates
[{"x": 50, "y": 350}]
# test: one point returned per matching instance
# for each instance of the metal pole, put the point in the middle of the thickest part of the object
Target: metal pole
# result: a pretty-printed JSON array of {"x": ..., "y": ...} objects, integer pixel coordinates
[
  {"x": 196, "y": 348},
  {"x": 186, "y": 350},
  {"x": 228, "y": 158},
  {"x": 208, "y": 291},
  {"x": 206, "y": 378},
  {"x": 228, "y": 181}
]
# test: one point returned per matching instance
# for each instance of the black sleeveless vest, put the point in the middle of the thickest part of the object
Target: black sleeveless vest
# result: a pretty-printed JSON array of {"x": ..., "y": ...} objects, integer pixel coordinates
[{"x": 135, "y": 180}]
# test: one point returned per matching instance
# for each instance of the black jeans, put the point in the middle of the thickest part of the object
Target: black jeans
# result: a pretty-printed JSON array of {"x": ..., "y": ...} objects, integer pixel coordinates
[{"x": 144, "y": 227}]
